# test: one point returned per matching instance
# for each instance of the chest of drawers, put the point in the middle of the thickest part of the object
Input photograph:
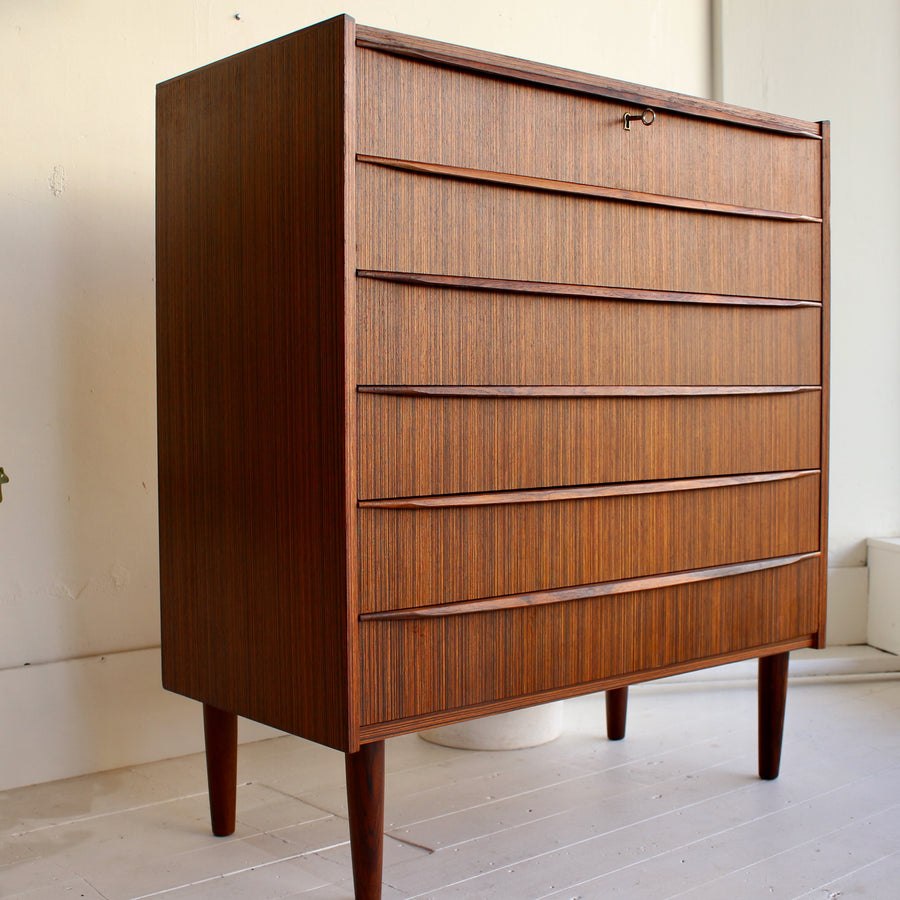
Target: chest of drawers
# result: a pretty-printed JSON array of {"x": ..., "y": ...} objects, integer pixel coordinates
[{"x": 471, "y": 397}]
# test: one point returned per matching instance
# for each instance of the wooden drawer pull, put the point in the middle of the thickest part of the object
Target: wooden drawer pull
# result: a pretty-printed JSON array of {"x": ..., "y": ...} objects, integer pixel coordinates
[
  {"x": 543, "y": 495},
  {"x": 596, "y": 191},
  {"x": 586, "y": 591},
  {"x": 599, "y": 292},
  {"x": 578, "y": 390}
]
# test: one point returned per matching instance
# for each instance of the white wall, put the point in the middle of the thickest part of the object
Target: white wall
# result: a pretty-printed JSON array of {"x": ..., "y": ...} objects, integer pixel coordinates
[
  {"x": 830, "y": 59},
  {"x": 79, "y": 683}
]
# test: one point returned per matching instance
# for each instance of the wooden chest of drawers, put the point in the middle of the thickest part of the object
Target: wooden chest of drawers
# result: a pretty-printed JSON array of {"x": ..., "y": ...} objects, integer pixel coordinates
[{"x": 472, "y": 397}]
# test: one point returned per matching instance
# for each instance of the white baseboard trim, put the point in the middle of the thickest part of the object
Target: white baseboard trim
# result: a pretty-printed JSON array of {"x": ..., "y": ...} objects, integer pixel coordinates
[
  {"x": 883, "y": 627},
  {"x": 87, "y": 715},
  {"x": 848, "y": 600},
  {"x": 833, "y": 664}
]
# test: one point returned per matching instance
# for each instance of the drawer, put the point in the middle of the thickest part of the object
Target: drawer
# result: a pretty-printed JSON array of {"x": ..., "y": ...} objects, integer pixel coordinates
[
  {"x": 414, "y": 222},
  {"x": 415, "y": 111},
  {"x": 412, "y": 667},
  {"x": 416, "y": 334},
  {"x": 420, "y": 445},
  {"x": 413, "y": 557}
]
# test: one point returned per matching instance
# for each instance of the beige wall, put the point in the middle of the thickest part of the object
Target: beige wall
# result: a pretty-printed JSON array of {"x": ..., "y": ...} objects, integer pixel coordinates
[
  {"x": 79, "y": 683},
  {"x": 829, "y": 59}
]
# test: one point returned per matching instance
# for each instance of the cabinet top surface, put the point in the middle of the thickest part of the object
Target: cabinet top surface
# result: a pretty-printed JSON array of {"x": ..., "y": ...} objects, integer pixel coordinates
[{"x": 509, "y": 67}]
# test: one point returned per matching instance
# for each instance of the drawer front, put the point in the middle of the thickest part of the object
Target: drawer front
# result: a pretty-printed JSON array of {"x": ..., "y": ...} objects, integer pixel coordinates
[
  {"x": 413, "y": 667},
  {"x": 410, "y": 334},
  {"x": 420, "y": 445},
  {"x": 412, "y": 222},
  {"x": 416, "y": 111},
  {"x": 425, "y": 556}
]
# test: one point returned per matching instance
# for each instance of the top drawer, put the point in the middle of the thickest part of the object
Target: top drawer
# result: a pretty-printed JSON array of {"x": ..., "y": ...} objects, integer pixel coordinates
[{"x": 427, "y": 113}]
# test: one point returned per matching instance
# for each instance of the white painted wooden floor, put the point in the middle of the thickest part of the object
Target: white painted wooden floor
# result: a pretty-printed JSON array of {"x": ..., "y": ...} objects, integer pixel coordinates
[{"x": 675, "y": 810}]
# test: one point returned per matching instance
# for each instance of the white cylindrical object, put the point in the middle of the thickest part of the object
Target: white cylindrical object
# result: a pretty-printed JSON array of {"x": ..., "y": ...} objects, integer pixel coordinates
[{"x": 508, "y": 731}]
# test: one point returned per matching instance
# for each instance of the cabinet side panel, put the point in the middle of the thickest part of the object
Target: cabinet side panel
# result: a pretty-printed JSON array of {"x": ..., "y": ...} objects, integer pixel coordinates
[
  {"x": 250, "y": 329},
  {"x": 826, "y": 370}
]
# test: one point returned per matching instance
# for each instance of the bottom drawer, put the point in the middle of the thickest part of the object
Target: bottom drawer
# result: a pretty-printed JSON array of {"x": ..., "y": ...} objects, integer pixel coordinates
[{"x": 421, "y": 667}]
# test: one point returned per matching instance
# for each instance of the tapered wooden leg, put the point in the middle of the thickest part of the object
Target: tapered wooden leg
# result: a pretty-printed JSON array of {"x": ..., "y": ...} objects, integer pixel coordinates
[
  {"x": 773, "y": 678},
  {"x": 365, "y": 799},
  {"x": 220, "y": 732},
  {"x": 616, "y": 710}
]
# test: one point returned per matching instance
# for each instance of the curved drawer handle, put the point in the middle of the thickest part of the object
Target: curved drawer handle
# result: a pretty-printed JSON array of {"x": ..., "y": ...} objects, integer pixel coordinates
[{"x": 648, "y": 117}]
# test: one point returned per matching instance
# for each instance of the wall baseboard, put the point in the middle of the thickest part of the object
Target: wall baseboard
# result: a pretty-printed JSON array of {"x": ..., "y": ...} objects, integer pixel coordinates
[
  {"x": 77, "y": 716},
  {"x": 848, "y": 600},
  {"x": 884, "y": 594}
]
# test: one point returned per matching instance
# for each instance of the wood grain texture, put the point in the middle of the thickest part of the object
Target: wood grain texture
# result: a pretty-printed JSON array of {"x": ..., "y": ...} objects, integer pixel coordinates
[
  {"x": 826, "y": 366},
  {"x": 347, "y": 249},
  {"x": 509, "y": 391},
  {"x": 463, "y": 228},
  {"x": 575, "y": 290},
  {"x": 420, "y": 557},
  {"x": 378, "y": 730},
  {"x": 584, "y": 591},
  {"x": 411, "y": 334},
  {"x": 253, "y": 535},
  {"x": 567, "y": 80},
  {"x": 411, "y": 446},
  {"x": 551, "y": 186},
  {"x": 413, "y": 667},
  {"x": 549, "y": 495}
]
